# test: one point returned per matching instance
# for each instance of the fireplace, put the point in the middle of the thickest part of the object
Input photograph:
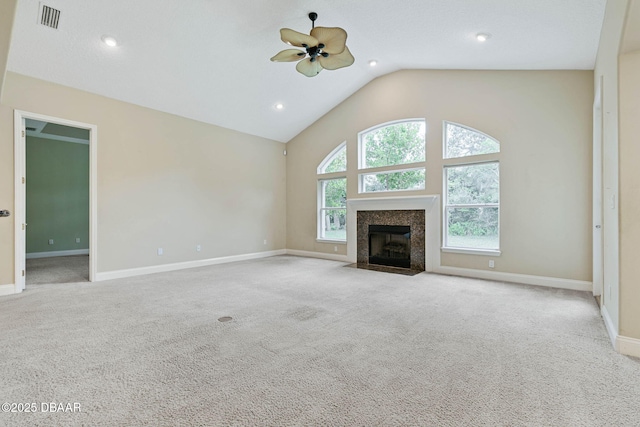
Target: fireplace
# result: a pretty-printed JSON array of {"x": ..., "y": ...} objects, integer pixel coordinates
[
  {"x": 421, "y": 213},
  {"x": 391, "y": 238},
  {"x": 390, "y": 245}
]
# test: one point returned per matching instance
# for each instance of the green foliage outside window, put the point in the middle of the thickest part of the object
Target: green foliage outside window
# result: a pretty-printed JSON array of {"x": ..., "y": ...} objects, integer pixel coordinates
[
  {"x": 335, "y": 193},
  {"x": 334, "y": 212},
  {"x": 403, "y": 180},
  {"x": 472, "y": 221},
  {"x": 338, "y": 163},
  {"x": 396, "y": 144},
  {"x": 461, "y": 142}
]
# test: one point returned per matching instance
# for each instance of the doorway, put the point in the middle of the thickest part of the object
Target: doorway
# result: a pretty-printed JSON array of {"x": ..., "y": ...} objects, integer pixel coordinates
[{"x": 63, "y": 212}]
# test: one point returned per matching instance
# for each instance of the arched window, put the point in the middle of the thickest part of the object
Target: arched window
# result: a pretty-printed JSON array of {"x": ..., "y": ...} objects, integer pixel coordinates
[
  {"x": 471, "y": 190},
  {"x": 332, "y": 196},
  {"x": 336, "y": 161},
  {"x": 463, "y": 141},
  {"x": 391, "y": 157}
]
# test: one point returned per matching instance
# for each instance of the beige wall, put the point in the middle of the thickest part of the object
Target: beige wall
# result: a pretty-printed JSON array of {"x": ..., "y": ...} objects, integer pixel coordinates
[
  {"x": 7, "y": 12},
  {"x": 163, "y": 181},
  {"x": 629, "y": 75},
  {"x": 543, "y": 121}
]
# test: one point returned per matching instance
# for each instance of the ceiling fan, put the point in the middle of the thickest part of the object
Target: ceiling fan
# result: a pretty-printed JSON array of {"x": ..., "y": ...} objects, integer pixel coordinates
[{"x": 324, "y": 48}]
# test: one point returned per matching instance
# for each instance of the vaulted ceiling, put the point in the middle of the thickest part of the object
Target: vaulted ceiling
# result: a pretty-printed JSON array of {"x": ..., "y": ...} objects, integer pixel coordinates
[{"x": 209, "y": 59}]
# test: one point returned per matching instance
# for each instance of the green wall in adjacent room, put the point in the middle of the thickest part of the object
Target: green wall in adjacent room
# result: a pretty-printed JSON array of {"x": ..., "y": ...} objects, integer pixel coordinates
[{"x": 57, "y": 195}]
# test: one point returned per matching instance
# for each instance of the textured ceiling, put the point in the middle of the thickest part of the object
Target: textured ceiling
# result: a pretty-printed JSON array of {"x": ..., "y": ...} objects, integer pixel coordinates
[{"x": 209, "y": 59}]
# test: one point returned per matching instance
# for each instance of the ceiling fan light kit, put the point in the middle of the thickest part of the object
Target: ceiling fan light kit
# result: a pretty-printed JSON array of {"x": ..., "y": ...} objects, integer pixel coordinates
[{"x": 324, "y": 48}]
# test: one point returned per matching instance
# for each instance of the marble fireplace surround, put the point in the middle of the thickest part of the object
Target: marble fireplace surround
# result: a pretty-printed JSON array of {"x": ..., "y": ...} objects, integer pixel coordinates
[{"x": 431, "y": 206}]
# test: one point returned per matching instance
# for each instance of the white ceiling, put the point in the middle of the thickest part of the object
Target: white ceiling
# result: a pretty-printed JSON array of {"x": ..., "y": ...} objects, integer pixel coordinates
[{"x": 209, "y": 59}]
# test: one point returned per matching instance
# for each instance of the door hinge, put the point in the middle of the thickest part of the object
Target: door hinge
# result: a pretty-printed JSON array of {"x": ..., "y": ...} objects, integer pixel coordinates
[
  {"x": 23, "y": 134},
  {"x": 22, "y": 273},
  {"x": 23, "y": 180},
  {"x": 22, "y": 226}
]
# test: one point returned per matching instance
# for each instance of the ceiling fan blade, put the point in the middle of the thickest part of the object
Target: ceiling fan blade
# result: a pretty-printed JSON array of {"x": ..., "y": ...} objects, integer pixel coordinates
[
  {"x": 289, "y": 55},
  {"x": 295, "y": 38},
  {"x": 334, "y": 39},
  {"x": 308, "y": 68},
  {"x": 333, "y": 62}
]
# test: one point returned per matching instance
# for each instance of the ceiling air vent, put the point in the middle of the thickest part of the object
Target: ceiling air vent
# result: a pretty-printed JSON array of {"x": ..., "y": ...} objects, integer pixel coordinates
[{"x": 49, "y": 16}]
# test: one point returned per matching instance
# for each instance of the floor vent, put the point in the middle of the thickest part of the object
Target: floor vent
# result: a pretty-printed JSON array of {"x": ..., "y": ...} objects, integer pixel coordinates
[{"x": 49, "y": 16}]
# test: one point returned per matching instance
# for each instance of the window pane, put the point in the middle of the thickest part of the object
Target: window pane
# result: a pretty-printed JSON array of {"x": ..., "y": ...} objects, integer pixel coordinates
[
  {"x": 336, "y": 163},
  {"x": 392, "y": 181},
  {"x": 396, "y": 144},
  {"x": 475, "y": 228},
  {"x": 461, "y": 141},
  {"x": 473, "y": 184},
  {"x": 334, "y": 193},
  {"x": 334, "y": 223}
]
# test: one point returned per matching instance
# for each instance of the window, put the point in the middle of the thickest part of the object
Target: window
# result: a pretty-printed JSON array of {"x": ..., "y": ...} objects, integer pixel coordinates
[
  {"x": 332, "y": 215},
  {"x": 332, "y": 196},
  {"x": 392, "y": 157},
  {"x": 461, "y": 141},
  {"x": 471, "y": 191},
  {"x": 336, "y": 161},
  {"x": 390, "y": 181},
  {"x": 472, "y": 206}
]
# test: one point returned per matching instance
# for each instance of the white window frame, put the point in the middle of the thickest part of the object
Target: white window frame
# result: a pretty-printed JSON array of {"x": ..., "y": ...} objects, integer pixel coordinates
[
  {"x": 330, "y": 157},
  {"x": 405, "y": 167},
  {"x": 444, "y": 141},
  {"x": 385, "y": 170},
  {"x": 322, "y": 209},
  {"x": 446, "y": 206}
]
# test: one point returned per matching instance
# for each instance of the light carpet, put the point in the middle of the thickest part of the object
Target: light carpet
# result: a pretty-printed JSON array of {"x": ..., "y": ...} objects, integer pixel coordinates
[
  {"x": 311, "y": 343},
  {"x": 66, "y": 269}
]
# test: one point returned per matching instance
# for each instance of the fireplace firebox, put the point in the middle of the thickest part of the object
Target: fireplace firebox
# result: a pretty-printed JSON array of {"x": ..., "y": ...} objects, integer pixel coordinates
[{"x": 390, "y": 245}]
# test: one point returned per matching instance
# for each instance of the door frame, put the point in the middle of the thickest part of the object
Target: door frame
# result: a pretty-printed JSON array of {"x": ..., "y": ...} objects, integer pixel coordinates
[
  {"x": 20, "y": 194},
  {"x": 598, "y": 222}
]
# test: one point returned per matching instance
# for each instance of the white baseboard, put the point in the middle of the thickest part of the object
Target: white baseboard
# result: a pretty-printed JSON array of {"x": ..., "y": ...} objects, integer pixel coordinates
[
  {"x": 52, "y": 254},
  {"x": 623, "y": 345},
  {"x": 7, "y": 290},
  {"x": 321, "y": 255},
  {"x": 628, "y": 346},
  {"x": 119, "y": 274},
  {"x": 552, "y": 282}
]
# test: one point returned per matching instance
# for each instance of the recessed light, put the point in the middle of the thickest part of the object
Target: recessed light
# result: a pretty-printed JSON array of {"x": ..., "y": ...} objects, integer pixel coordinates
[
  {"x": 279, "y": 106},
  {"x": 482, "y": 37},
  {"x": 373, "y": 63},
  {"x": 109, "y": 41}
]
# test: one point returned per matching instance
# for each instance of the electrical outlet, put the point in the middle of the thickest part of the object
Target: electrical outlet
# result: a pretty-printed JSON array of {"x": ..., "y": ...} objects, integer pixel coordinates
[
  {"x": 492, "y": 263},
  {"x": 198, "y": 248},
  {"x": 265, "y": 241},
  {"x": 77, "y": 240},
  {"x": 51, "y": 241},
  {"x": 160, "y": 251},
  {"x": 335, "y": 249}
]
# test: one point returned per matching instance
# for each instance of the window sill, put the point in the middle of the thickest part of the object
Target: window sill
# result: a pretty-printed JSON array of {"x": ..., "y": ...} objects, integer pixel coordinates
[
  {"x": 339, "y": 242},
  {"x": 488, "y": 252}
]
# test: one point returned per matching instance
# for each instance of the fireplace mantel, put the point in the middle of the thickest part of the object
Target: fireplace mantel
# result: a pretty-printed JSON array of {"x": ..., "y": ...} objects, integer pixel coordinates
[{"x": 429, "y": 203}]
